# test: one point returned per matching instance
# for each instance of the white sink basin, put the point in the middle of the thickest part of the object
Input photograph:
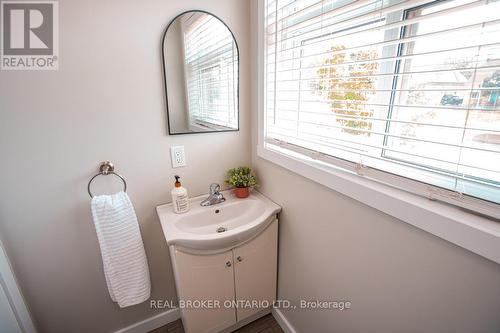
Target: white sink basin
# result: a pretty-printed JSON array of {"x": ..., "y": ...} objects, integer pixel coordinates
[{"x": 220, "y": 226}]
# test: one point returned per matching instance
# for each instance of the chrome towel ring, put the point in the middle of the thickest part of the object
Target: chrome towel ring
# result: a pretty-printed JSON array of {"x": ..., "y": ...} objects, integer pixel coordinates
[{"x": 107, "y": 168}]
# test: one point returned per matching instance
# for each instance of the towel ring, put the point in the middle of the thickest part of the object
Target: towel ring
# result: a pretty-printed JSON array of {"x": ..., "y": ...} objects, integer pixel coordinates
[{"x": 107, "y": 168}]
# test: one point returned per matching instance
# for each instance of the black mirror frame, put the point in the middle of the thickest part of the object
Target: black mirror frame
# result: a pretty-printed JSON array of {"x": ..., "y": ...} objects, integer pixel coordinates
[{"x": 165, "y": 74}]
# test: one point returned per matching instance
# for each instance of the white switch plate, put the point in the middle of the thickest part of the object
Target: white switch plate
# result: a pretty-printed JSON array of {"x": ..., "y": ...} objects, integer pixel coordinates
[{"x": 178, "y": 156}]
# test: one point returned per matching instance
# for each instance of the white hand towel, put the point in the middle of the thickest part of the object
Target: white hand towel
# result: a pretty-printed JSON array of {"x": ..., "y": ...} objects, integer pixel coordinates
[{"x": 123, "y": 256}]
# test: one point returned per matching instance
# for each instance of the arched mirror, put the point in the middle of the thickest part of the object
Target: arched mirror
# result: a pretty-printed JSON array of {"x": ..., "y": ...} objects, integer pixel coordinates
[{"x": 201, "y": 67}]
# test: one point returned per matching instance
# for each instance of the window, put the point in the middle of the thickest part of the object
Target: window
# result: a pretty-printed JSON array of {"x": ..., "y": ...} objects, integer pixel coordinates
[
  {"x": 211, "y": 59},
  {"x": 404, "y": 92}
]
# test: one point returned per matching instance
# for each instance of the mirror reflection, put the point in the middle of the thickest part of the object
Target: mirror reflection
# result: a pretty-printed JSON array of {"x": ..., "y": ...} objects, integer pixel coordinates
[{"x": 200, "y": 59}]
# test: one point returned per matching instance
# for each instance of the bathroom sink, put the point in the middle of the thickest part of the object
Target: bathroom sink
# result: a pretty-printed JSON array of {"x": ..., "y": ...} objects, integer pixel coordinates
[{"x": 220, "y": 226}]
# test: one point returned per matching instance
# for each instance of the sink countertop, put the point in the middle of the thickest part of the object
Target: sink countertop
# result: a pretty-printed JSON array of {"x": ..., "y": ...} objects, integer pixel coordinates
[{"x": 196, "y": 229}]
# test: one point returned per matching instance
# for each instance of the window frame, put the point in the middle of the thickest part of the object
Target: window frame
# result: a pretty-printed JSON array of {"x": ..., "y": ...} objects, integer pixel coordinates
[
  {"x": 196, "y": 122},
  {"x": 411, "y": 205},
  {"x": 396, "y": 82}
]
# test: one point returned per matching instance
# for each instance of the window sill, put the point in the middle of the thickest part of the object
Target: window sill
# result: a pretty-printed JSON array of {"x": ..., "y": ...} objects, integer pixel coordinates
[{"x": 473, "y": 232}]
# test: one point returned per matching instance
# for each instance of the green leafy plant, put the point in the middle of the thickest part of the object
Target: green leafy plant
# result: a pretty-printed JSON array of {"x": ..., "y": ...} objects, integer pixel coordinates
[{"x": 241, "y": 177}]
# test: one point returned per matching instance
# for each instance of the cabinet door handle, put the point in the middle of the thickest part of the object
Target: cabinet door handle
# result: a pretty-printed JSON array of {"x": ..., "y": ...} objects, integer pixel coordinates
[
  {"x": 228, "y": 264},
  {"x": 239, "y": 258}
]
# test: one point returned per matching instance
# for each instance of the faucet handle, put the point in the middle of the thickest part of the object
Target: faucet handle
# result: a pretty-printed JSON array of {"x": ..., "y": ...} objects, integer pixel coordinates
[{"x": 214, "y": 188}]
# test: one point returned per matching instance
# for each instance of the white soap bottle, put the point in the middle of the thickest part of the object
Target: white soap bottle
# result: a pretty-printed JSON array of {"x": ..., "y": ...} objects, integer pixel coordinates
[{"x": 180, "y": 199}]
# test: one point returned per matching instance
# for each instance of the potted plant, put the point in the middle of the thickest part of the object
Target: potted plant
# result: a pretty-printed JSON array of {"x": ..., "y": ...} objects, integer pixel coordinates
[{"x": 242, "y": 178}]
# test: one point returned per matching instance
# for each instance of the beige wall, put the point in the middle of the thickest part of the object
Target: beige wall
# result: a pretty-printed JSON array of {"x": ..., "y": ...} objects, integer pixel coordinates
[
  {"x": 398, "y": 278},
  {"x": 106, "y": 102}
]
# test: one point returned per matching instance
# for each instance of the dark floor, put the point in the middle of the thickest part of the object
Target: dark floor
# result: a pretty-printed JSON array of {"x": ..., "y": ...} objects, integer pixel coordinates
[{"x": 266, "y": 324}]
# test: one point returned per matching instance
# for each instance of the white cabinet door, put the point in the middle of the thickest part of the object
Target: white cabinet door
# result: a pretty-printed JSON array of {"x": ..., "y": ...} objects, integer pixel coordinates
[
  {"x": 255, "y": 269},
  {"x": 206, "y": 278}
]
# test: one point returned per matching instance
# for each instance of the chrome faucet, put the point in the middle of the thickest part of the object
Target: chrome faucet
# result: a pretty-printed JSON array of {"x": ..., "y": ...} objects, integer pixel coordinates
[{"x": 214, "y": 197}]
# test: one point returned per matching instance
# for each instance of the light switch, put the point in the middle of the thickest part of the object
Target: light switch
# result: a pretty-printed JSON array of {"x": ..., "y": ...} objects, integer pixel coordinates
[{"x": 178, "y": 156}]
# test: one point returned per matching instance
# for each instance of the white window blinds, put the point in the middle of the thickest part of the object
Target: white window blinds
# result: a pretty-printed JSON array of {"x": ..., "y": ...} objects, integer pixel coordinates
[
  {"x": 211, "y": 62},
  {"x": 405, "y": 92}
]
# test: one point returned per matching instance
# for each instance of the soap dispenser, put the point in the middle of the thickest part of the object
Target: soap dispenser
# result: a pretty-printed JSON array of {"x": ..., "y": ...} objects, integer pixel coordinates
[{"x": 180, "y": 200}]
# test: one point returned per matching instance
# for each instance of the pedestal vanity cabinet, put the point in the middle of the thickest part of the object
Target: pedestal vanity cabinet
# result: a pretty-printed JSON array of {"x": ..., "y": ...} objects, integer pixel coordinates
[{"x": 224, "y": 259}]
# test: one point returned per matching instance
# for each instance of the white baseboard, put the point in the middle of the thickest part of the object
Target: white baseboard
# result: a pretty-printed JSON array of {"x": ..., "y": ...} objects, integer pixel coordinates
[
  {"x": 173, "y": 314},
  {"x": 283, "y": 322},
  {"x": 153, "y": 322}
]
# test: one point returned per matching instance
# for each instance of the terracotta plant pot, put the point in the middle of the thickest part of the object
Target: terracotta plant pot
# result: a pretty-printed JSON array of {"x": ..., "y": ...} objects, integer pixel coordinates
[{"x": 241, "y": 192}]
